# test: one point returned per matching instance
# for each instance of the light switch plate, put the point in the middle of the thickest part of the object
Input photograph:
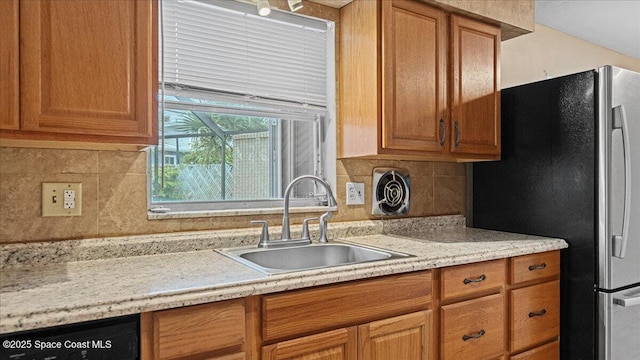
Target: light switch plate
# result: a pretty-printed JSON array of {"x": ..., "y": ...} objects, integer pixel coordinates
[{"x": 61, "y": 199}]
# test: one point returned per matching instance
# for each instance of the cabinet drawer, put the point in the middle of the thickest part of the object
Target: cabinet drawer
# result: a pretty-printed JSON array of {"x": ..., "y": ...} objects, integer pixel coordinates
[
  {"x": 535, "y": 315},
  {"x": 549, "y": 351},
  {"x": 199, "y": 329},
  {"x": 535, "y": 266},
  {"x": 473, "y": 329},
  {"x": 306, "y": 311},
  {"x": 464, "y": 280}
]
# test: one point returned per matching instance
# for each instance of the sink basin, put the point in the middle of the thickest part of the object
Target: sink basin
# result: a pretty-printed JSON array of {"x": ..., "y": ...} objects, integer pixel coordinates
[{"x": 306, "y": 257}]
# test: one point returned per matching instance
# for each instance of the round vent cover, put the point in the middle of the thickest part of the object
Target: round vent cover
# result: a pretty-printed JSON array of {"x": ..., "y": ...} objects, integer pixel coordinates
[{"x": 390, "y": 192}]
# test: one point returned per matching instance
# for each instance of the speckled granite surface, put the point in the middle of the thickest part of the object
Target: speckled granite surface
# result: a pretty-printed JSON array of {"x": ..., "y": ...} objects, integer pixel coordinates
[{"x": 155, "y": 272}]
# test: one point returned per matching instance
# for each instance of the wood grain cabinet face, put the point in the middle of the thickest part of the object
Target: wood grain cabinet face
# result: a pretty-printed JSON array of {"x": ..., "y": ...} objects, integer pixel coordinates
[
  {"x": 465, "y": 280},
  {"x": 332, "y": 345},
  {"x": 414, "y": 76},
  {"x": 88, "y": 71},
  {"x": 307, "y": 311},
  {"x": 535, "y": 267},
  {"x": 215, "y": 330},
  {"x": 410, "y": 88},
  {"x": 473, "y": 329},
  {"x": 404, "y": 337},
  {"x": 549, "y": 351},
  {"x": 475, "y": 107},
  {"x": 9, "y": 65},
  {"x": 535, "y": 315}
]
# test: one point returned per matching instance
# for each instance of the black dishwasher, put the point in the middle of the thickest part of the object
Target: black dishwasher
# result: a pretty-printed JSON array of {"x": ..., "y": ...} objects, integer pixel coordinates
[{"x": 109, "y": 339}]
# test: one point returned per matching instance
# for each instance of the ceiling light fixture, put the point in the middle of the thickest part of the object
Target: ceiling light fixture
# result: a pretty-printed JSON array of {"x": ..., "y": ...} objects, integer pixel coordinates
[
  {"x": 264, "y": 8},
  {"x": 295, "y": 5}
]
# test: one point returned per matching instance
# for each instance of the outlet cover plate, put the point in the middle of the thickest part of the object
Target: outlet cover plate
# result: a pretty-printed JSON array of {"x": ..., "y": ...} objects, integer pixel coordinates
[
  {"x": 53, "y": 199},
  {"x": 355, "y": 193}
]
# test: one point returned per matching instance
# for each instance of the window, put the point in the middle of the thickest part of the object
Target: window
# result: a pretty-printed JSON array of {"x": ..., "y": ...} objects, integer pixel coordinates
[{"x": 247, "y": 105}]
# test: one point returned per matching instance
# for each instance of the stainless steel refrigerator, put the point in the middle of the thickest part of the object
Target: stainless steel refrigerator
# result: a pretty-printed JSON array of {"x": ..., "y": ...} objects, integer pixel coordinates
[{"x": 570, "y": 168}]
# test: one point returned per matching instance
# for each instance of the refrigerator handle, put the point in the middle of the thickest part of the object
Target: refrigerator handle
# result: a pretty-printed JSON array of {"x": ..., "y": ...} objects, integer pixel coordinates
[
  {"x": 620, "y": 241},
  {"x": 634, "y": 301}
]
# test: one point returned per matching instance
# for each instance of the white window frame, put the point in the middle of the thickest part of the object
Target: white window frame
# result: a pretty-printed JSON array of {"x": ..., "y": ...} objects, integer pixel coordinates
[{"x": 327, "y": 129}]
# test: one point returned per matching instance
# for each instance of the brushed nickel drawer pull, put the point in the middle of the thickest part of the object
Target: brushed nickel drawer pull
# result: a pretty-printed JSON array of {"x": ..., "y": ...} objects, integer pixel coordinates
[
  {"x": 458, "y": 134},
  {"x": 537, "y": 267},
  {"x": 443, "y": 132},
  {"x": 474, "y": 336},
  {"x": 479, "y": 279},
  {"x": 540, "y": 313}
]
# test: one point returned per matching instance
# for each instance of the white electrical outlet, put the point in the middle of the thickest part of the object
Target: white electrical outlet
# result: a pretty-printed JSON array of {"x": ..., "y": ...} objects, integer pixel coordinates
[
  {"x": 355, "y": 193},
  {"x": 61, "y": 199}
]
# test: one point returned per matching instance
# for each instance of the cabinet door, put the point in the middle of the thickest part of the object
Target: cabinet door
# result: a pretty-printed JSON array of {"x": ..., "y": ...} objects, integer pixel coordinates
[
  {"x": 9, "y": 66},
  {"x": 475, "y": 106},
  {"x": 216, "y": 330},
  {"x": 406, "y": 337},
  {"x": 88, "y": 69},
  {"x": 414, "y": 76},
  {"x": 332, "y": 345}
]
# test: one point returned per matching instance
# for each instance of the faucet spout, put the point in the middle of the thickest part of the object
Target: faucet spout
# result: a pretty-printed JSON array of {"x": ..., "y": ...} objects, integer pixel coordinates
[{"x": 286, "y": 231}]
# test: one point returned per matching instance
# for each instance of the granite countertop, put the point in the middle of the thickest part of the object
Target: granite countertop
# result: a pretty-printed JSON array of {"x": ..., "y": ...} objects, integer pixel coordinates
[{"x": 40, "y": 289}]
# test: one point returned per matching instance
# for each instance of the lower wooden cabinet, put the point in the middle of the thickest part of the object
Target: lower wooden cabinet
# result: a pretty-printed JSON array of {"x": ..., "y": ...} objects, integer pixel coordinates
[
  {"x": 221, "y": 330},
  {"x": 473, "y": 329},
  {"x": 535, "y": 315},
  {"x": 406, "y": 337},
  {"x": 331, "y": 345},
  {"x": 499, "y": 309},
  {"x": 535, "y": 306},
  {"x": 545, "y": 352}
]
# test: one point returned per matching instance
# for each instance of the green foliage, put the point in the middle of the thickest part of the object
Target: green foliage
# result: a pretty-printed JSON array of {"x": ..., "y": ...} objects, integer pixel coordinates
[
  {"x": 171, "y": 190},
  {"x": 208, "y": 149}
]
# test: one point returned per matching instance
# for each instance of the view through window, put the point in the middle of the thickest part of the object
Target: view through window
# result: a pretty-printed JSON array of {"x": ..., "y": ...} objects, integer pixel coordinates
[{"x": 246, "y": 106}]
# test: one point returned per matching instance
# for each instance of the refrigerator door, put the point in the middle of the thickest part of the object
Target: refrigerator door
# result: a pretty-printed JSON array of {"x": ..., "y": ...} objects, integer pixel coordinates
[
  {"x": 619, "y": 178},
  {"x": 619, "y": 325}
]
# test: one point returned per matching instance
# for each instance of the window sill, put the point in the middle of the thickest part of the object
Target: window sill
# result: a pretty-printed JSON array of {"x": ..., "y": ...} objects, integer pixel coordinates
[{"x": 236, "y": 212}]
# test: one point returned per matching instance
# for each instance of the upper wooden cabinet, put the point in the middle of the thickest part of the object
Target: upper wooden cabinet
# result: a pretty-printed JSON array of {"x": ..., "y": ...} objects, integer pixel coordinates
[
  {"x": 475, "y": 101},
  {"x": 414, "y": 77},
  {"x": 9, "y": 65},
  {"x": 417, "y": 83},
  {"x": 88, "y": 71}
]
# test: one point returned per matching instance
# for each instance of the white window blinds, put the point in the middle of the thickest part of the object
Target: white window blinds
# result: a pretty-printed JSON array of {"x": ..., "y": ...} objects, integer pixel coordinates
[{"x": 223, "y": 47}]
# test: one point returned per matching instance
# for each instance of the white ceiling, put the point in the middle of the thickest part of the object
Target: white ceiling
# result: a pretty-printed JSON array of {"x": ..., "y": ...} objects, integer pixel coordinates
[{"x": 614, "y": 24}]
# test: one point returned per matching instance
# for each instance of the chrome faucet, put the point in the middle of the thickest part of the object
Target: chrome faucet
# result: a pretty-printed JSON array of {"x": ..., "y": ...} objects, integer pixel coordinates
[
  {"x": 285, "y": 238},
  {"x": 286, "y": 232}
]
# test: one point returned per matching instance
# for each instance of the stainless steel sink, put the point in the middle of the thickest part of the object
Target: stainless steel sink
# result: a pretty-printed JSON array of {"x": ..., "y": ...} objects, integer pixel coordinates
[{"x": 306, "y": 257}]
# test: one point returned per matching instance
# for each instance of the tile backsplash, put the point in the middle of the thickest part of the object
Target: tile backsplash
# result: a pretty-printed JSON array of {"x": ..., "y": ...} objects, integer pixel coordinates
[{"x": 115, "y": 194}]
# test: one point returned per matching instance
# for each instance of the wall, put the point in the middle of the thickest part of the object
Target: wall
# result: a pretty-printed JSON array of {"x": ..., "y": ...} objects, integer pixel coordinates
[
  {"x": 115, "y": 194},
  {"x": 548, "y": 52}
]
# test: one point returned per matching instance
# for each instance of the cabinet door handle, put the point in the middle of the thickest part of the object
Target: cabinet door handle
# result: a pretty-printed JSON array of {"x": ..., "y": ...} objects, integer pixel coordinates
[
  {"x": 477, "y": 280},
  {"x": 537, "y": 267},
  {"x": 457, "y": 128},
  {"x": 539, "y": 313},
  {"x": 443, "y": 132},
  {"x": 473, "y": 336}
]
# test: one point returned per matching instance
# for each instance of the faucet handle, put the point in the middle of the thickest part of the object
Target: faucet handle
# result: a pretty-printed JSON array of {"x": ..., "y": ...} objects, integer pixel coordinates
[
  {"x": 323, "y": 227},
  {"x": 305, "y": 228},
  {"x": 264, "y": 236}
]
